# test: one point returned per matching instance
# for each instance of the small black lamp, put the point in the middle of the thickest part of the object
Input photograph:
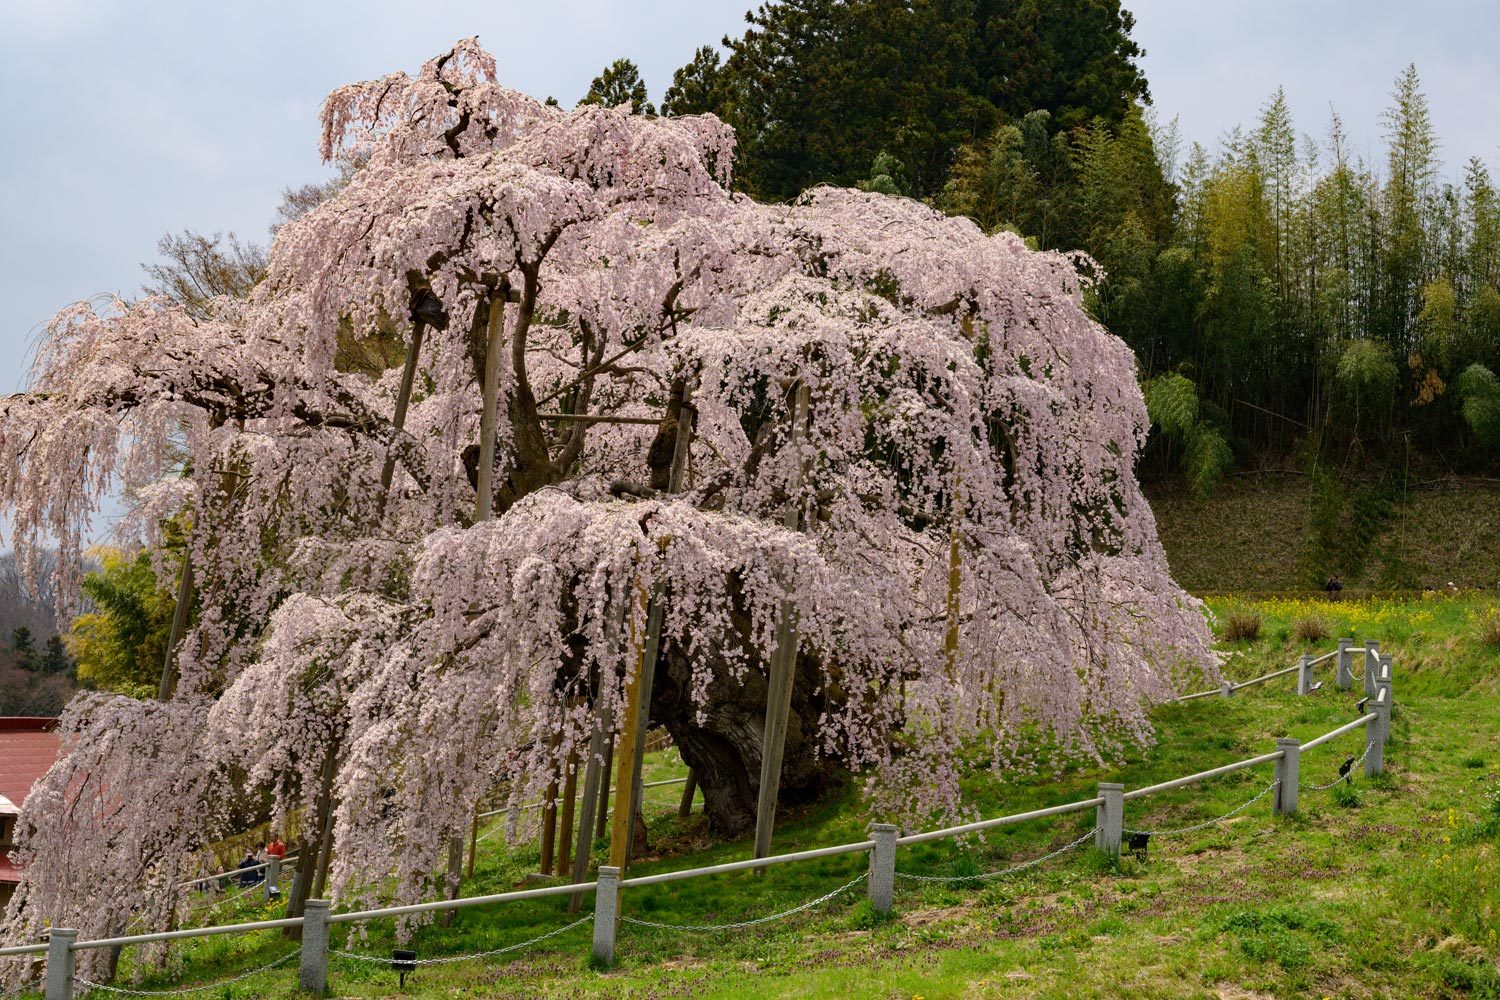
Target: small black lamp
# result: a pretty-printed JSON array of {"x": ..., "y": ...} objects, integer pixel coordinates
[{"x": 403, "y": 962}]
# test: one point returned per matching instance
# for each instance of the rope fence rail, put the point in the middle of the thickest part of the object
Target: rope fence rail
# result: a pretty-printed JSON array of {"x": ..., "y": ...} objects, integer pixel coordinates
[{"x": 881, "y": 849}]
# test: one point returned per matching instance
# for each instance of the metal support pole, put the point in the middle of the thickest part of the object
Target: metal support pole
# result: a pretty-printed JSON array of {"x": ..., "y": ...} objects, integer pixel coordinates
[
  {"x": 313, "y": 974},
  {"x": 1109, "y": 818},
  {"x": 689, "y": 787},
  {"x": 273, "y": 877},
  {"x": 606, "y": 915},
  {"x": 1287, "y": 770},
  {"x": 882, "y": 880},
  {"x": 60, "y": 964},
  {"x": 1305, "y": 674},
  {"x": 1344, "y": 677}
]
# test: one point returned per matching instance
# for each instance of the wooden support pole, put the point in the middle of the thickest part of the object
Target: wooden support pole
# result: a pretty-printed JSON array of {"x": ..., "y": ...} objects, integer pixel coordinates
[
  {"x": 598, "y": 418},
  {"x": 565, "y": 835},
  {"x": 179, "y": 622},
  {"x": 628, "y": 793},
  {"x": 490, "y": 396},
  {"x": 782, "y": 666},
  {"x": 484, "y": 494},
  {"x": 473, "y": 841},
  {"x": 621, "y": 831},
  {"x": 955, "y": 584},
  {"x": 601, "y": 821},
  {"x": 595, "y": 774},
  {"x": 685, "y": 807},
  {"x": 403, "y": 402},
  {"x": 549, "y": 823}
]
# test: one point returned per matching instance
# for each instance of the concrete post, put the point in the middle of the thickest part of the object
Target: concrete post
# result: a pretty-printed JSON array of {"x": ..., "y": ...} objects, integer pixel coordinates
[
  {"x": 606, "y": 915},
  {"x": 60, "y": 964},
  {"x": 1305, "y": 674},
  {"x": 1109, "y": 818},
  {"x": 1288, "y": 774},
  {"x": 1226, "y": 689},
  {"x": 1376, "y": 731},
  {"x": 1345, "y": 676},
  {"x": 882, "y": 880},
  {"x": 313, "y": 976},
  {"x": 1372, "y": 666},
  {"x": 273, "y": 877}
]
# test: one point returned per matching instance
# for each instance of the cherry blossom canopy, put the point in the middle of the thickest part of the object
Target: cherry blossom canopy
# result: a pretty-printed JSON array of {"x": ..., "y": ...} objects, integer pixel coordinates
[{"x": 973, "y": 559}]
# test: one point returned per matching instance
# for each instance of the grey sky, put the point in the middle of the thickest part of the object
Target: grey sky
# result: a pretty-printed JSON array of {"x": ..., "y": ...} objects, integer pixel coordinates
[{"x": 126, "y": 120}]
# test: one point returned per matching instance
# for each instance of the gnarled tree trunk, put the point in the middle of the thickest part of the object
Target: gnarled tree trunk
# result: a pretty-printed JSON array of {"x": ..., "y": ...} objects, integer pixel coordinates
[{"x": 725, "y": 746}]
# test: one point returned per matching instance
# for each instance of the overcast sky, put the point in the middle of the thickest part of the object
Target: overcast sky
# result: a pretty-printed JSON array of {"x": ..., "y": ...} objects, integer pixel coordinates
[{"x": 121, "y": 121}]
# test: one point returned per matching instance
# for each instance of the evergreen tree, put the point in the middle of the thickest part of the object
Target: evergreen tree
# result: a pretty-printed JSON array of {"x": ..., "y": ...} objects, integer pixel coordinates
[
  {"x": 696, "y": 87},
  {"x": 23, "y": 647},
  {"x": 619, "y": 83},
  {"x": 1074, "y": 58},
  {"x": 816, "y": 89},
  {"x": 55, "y": 659}
]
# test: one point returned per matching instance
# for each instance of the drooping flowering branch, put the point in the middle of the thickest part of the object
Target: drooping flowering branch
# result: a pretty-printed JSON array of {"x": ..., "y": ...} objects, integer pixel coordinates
[{"x": 978, "y": 561}]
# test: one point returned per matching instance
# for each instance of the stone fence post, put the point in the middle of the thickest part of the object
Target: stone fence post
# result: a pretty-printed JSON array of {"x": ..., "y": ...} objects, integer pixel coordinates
[
  {"x": 882, "y": 880},
  {"x": 313, "y": 975}
]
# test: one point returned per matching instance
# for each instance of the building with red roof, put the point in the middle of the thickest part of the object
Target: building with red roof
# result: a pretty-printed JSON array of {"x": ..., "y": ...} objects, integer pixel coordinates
[{"x": 28, "y": 747}]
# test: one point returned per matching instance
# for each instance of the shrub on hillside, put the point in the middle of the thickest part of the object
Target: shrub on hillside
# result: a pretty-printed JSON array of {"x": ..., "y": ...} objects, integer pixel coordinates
[
  {"x": 1489, "y": 628},
  {"x": 1310, "y": 630},
  {"x": 1241, "y": 626}
]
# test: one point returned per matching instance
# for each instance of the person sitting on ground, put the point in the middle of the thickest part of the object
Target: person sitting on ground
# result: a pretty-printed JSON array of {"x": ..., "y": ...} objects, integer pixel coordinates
[
  {"x": 1333, "y": 586},
  {"x": 249, "y": 874}
]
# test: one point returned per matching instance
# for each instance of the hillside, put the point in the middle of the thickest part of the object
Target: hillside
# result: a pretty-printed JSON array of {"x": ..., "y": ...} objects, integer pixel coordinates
[
  {"x": 1253, "y": 536},
  {"x": 1389, "y": 888}
]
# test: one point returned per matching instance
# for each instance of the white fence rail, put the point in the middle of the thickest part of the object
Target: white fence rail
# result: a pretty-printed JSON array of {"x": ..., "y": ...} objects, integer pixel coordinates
[
  {"x": 882, "y": 847},
  {"x": 1303, "y": 668}
]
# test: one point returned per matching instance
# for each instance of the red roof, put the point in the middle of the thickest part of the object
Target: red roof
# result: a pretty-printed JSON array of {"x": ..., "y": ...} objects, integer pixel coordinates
[{"x": 28, "y": 747}]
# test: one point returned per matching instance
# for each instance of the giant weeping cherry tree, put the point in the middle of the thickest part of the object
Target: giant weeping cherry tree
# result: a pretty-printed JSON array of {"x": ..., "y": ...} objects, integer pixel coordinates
[{"x": 910, "y": 463}]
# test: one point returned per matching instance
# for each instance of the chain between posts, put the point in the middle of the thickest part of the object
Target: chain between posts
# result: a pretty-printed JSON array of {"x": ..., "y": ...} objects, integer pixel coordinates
[
  {"x": 446, "y": 959},
  {"x": 1343, "y": 777},
  {"x": 1004, "y": 871},
  {"x": 124, "y": 991},
  {"x": 750, "y": 923},
  {"x": 16, "y": 991},
  {"x": 1216, "y": 820}
]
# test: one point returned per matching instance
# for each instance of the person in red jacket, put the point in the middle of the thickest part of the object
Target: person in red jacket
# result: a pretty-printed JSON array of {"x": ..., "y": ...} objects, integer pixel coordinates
[{"x": 276, "y": 849}]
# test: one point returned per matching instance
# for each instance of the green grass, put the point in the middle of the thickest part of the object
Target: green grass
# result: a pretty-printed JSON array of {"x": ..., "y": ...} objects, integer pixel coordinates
[{"x": 1385, "y": 888}]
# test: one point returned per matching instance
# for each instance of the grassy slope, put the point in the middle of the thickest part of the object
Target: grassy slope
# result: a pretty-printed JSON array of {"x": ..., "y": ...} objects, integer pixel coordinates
[
  {"x": 1250, "y": 535},
  {"x": 1395, "y": 895}
]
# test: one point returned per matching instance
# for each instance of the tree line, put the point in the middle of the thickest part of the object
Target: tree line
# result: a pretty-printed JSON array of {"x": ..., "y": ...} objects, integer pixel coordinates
[{"x": 1283, "y": 296}]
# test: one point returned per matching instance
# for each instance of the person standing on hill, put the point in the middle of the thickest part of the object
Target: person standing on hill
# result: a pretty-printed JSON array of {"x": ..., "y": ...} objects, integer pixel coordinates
[
  {"x": 276, "y": 849},
  {"x": 1333, "y": 586}
]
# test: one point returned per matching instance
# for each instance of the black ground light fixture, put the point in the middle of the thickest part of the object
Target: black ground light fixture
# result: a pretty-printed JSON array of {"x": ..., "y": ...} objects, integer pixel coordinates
[
  {"x": 1139, "y": 844},
  {"x": 1345, "y": 768},
  {"x": 403, "y": 962}
]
